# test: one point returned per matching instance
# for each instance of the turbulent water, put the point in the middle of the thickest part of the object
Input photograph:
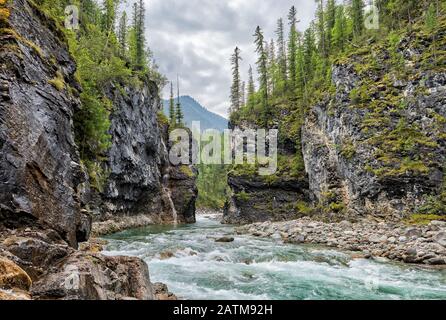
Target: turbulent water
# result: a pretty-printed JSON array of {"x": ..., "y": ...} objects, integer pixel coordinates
[{"x": 194, "y": 266}]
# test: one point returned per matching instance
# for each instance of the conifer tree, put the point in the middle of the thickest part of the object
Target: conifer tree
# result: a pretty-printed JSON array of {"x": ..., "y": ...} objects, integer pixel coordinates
[
  {"x": 109, "y": 17},
  {"x": 122, "y": 33},
  {"x": 330, "y": 22},
  {"x": 262, "y": 68},
  {"x": 236, "y": 81},
  {"x": 321, "y": 28},
  {"x": 138, "y": 38},
  {"x": 292, "y": 48},
  {"x": 272, "y": 66},
  {"x": 431, "y": 25},
  {"x": 281, "y": 50},
  {"x": 243, "y": 94},
  {"x": 339, "y": 31},
  {"x": 179, "y": 111},
  {"x": 251, "y": 90},
  {"x": 172, "y": 111},
  {"x": 357, "y": 17}
]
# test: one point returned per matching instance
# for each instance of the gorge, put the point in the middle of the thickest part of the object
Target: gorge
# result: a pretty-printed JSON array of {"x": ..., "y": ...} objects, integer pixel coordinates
[{"x": 90, "y": 201}]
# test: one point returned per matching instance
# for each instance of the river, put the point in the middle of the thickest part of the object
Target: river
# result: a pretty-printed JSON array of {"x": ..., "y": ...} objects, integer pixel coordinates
[{"x": 194, "y": 266}]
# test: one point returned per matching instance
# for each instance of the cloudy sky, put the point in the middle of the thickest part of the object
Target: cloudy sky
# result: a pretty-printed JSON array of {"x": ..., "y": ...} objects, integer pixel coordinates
[{"x": 195, "y": 38}]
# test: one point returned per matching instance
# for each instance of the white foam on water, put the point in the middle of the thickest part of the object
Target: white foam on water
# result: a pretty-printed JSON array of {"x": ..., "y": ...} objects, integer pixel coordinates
[{"x": 255, "y": 268}]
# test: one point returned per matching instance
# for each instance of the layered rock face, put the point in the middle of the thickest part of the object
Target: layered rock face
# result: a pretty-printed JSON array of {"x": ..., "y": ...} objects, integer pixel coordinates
[
  {"x": 142, "y": 186},
  {"x": 377, "y": 147},
  {"x": 39, "y": 163},
  {"x": 255, "y": 199}
]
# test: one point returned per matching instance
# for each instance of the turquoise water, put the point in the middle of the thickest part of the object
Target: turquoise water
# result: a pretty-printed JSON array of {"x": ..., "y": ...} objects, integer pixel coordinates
[{"x": 194, "y": 266}]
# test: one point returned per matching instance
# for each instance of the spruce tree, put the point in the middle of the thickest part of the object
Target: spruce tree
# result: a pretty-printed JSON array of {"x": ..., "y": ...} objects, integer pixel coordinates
[
  {"x": 236, "y": 81},
  {"x": 292, "y": 48},
  {"x": 251, "y": 88},
  {"x": 357, "y": 17},
  {"x": 281, "y": 50},
  {"x": 109, "y": 17},
  {"x": 431, "y": 25},
  {"x": 179, "y": 111},
  {"x": 330, "y": 22},
  {"x": 122, "y": 33},
  {"x": 339, "y": 36},
  {"x": 321, "y": 28},
  {"x": 172, "y": 111},
  {"x": 262, "y": 67}
]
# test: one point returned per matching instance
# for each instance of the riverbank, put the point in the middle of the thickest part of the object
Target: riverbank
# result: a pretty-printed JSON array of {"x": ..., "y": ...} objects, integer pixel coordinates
[{"x": 398, "y": 242}]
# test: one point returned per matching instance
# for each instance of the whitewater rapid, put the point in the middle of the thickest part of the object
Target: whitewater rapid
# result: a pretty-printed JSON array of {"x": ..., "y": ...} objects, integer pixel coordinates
[{"x": 194, "y": 266}]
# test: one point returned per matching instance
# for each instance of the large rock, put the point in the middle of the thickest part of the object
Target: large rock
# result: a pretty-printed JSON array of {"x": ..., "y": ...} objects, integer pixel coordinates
[
  {"x": 12, "y": 276},
  {"x": 255, "y": 200},
  {"x": 39, "y": 162},
  {"x": 89, "y": 276}
]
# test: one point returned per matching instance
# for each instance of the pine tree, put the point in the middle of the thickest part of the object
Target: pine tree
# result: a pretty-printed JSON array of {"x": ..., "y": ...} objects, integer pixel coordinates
[
  {"x": 179, "y": 111},
  {"x": 138, "y": 42},
  {"x": 281, "y": 47},
  {"x": 321, "y": 28},
  {"x": 431, "y": 25},
  {"x": 339, "y": 31},
  {"x": 357, "y": 17},
  {"x": 262, "y": 68},
  {"x": 122, "y": 33},
  {"x": 236, "y": 81},
  {"x": 109, "y": 17},
  {"x": 251, "y": 88},
  {"x": 172, "y": 111},
  {"x": 292, "y": 48},
  {"x": 243, "y": 94},
  {"x": 272, "y": 66},
  {"x": 330, "y": 22}
]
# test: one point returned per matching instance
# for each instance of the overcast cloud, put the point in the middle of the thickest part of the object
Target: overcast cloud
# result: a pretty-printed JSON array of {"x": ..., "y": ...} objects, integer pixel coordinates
[{"x": 195, "y": 38}]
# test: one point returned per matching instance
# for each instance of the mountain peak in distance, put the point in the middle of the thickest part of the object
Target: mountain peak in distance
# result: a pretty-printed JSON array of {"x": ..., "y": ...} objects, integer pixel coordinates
[{"x": 194, "y": 111}]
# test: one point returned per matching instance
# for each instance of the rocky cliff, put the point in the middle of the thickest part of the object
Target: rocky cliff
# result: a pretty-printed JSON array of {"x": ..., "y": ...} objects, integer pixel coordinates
[
  {"x": 377, "y": 146},
  {"x": 374, "y": 144},
  {"x": 141, "y": 186},
  {"x": 45, "y": 196}
]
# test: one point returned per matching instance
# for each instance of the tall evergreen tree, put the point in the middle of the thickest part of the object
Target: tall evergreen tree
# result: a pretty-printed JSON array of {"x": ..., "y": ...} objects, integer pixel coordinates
[
  {"x": 339, "y": 32},
  {"x": 292, "y": 48},
  {"x": 281, "y": 50},
  {"x": 109, "y": 17},
  {"x": 251, "y": 90},
  {"x": 357, "y": 13},
  {"x": 262, "y": 67},
  {"x": 179, "y": 111},
  {"x": 172, "y": 111},
  {"x": 272, "y": 66},
  {"x": 321, "y": 28},
  {"x": 243, "y": 94},
  {"x": 122, "y": 33},
  {"x": 138, "y": 37},
  {"x": 236, "y": 81},
  {"x": 330, "y": 22}
]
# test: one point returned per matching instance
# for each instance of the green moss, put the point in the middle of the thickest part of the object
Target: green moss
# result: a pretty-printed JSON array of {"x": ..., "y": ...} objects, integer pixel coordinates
[
  {"x": 243, "y": 196},
  {"x": 424, "y": 219},
  {"x": 24, "y": 41},
  {"x": 187, "y": 171},
  {"x": 303, "y": 207},
  {"x": 58, "y": 82},
  {"x": 348, "y": 150},
  {"x": 98, "y": 175},
  {"x": 162, "y": 119}
]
